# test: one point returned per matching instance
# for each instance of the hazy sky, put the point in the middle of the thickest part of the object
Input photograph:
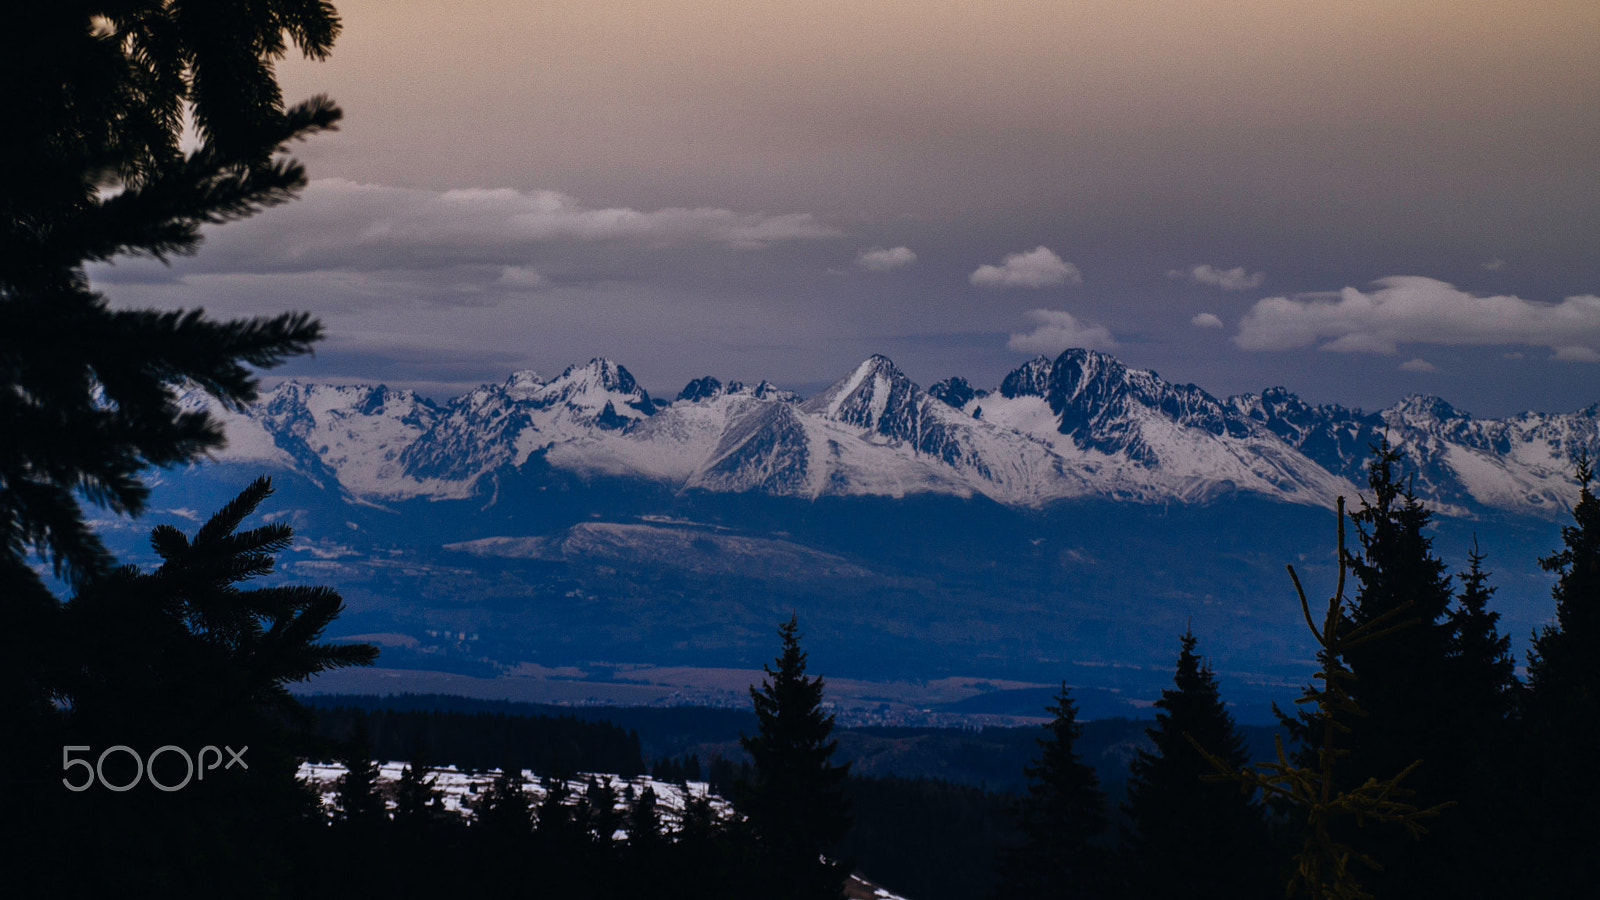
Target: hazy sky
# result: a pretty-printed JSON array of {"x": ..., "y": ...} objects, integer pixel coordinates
[{"x": 1357, "y": 200}]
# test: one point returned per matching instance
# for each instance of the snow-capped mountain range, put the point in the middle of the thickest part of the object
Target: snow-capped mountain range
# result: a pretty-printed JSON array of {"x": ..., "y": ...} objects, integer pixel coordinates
[{"x": 1081, "y": 425}]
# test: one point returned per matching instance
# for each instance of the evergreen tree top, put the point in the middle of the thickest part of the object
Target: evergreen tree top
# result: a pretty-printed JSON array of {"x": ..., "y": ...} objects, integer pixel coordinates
[
  {"x": 789, "y": 709},
  {"x": 796, "y": 803},
  {"x": 97, "y": 98},
  {"x": 1194, "y": 707},
  {"x": 1564, "y": 653},
  {"x": 1060, "y": 783}
]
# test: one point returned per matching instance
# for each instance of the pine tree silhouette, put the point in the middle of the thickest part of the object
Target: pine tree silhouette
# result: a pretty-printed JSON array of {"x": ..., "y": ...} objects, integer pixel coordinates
[
  {"x": 1485, "y": 671},
  {"x": 1312, "y": 788},
  {"x": 96, "y": 102},
  {"x": 1413, "y": 682},
  {"x": 1563, "y": 710},
  {"x": 1484, "y": 692},
  {"x": 1061, "y": 818},
  {"x": 1193, "y": 837},
  {"x": 504, "y": 807},
  {"x": 644, "y": 821},
  {"x": 357, "y": 804},
  {"x": 604, "y": 820},
  {"x": 184, "y": 656},
  {"x": 95, "y": 106},
  {"x": 419, "y": 805},
  {"x": 183, "y": 647},
  {"x": 796, "y": 803}
]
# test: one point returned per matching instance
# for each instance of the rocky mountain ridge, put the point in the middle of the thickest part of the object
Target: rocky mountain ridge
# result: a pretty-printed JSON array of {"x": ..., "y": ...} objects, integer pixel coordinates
[{"x": 1082, "y": 425}]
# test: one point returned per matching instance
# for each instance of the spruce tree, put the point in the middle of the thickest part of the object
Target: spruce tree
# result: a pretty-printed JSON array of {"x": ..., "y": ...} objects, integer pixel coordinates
[
  {"x": 1483, "y": 668},
  {"x": 1062, "y": 819},
  {"x": 603, "y": 818},
  {"x": 1483, "y": 692},
  {"x": 419, "y": 805},
  {"x": 503, "y": 814},
  {"x": 1563, "y": 709},
  {"x": 1402, "y": 678},
  {"x": 96, "y": 104},
  {"x": 358, "y": 804},
  {"x": 644, "y": 820},
  {"x": 1312, "y": 788},
  {"x": 556, "y": 818},
  {"x": 188, "y": 655},
  {"x": 185, "y": 647},
  {"x": 1190, "y": 836},
  {"x": 796, "y": 803},
  {"x": 1406, "y": 678}
]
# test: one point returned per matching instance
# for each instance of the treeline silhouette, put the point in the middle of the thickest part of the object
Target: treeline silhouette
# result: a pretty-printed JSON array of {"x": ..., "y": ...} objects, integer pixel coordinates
[
  {"x": 1417, "y": 765},
  {"x": 550, "y": 745}
]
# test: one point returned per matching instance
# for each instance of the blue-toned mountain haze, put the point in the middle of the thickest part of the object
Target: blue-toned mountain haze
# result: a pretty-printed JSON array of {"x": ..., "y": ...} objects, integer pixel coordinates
[{"x": 1067, "y": 522}]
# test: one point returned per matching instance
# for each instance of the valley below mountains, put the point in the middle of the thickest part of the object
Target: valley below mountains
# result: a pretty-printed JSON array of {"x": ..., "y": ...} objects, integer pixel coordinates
[{"x": 1066, "y": 523}]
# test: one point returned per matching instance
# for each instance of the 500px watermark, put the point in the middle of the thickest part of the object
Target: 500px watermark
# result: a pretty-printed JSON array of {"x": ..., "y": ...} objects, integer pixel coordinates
[{"x": 144, "y": 767}]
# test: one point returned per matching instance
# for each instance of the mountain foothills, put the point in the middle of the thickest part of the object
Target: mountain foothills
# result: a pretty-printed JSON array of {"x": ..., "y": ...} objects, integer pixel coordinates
[
  {"x": 1066, "y": 523},
  {"x": 1080, "y": 426}
]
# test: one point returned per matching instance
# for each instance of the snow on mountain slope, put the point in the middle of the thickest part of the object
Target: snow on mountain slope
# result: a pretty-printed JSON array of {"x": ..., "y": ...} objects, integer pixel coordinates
[
  {"x": 502, "y": 425},
  {"x": 1138, "y": 437},
  {"x": 1080, "y": 425},
  {"x": 358, "y": 432},
  {"x": 875, "y": 432},
  {"x": 248, "y": 438},
  {"x": 1520, "y": 464}
]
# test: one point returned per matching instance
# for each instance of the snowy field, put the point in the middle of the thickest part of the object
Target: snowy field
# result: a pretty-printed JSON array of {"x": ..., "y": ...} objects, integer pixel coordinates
[{"x": 462, "y": 790}]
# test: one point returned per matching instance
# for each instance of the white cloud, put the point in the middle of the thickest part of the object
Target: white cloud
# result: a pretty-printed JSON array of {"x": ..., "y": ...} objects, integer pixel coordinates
[
  {"x": 1206, "y": 320},
  {"x": 880, "y": 260},
  {"x": 1055, "y": 330},
  {"x": 522, "y": 276},
  {"x": 1495, "y": 265},
  {"x": 1235, "y": 279},
  {"x": 1418, "y": 365},
  {"x": 1416, "y": 310},
  {"x": 1037, "y": 268},
  {"x": 339, "y": 223},
  {"x": 1577, "y": 354}
]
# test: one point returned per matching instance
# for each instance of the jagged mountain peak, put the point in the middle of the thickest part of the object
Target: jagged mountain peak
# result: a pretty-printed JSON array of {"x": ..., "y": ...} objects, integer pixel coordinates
[
  {"x": 704, "y": 388},
  {"x": 1424, "y": 408},
  {"x": 1077, "y": 371},
  {"x": 1082, "y": 424},
  {"x": 709, "y": 388},
  {"x": 876, "y": 396},
  {"x": 599, "y": 372},
  {"x": 1031, "y": 379},
  {"x": 294, "y": 397},
  {"x": 523, "y": 383},
  {"x": 599, "y": 389},
  {"x": 956, "y": 392}
]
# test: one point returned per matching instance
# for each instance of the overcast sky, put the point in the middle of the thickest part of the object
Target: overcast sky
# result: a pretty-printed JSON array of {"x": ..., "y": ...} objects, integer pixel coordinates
[{"x": 1356, "y": 200}]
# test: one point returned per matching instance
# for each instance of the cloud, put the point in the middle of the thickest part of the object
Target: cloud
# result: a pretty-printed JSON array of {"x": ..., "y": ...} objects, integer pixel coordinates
[
  {"x": 1577, "y": 354},
  {"x": 522, "y": 277},
  {"x": 1418, "y": 365},
  {"x": 343, "y": 224},
  {"x": 1206, "y": 320},
  {"x": 1495, "y": 265},
  {"x": 1235, "y": 279},
  {"x": 1055, "y": 330},
  {"x": 1416, "y": 310},
  {"x": 1037, "y": 268},
  {"x": 880, "y": 260}
]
